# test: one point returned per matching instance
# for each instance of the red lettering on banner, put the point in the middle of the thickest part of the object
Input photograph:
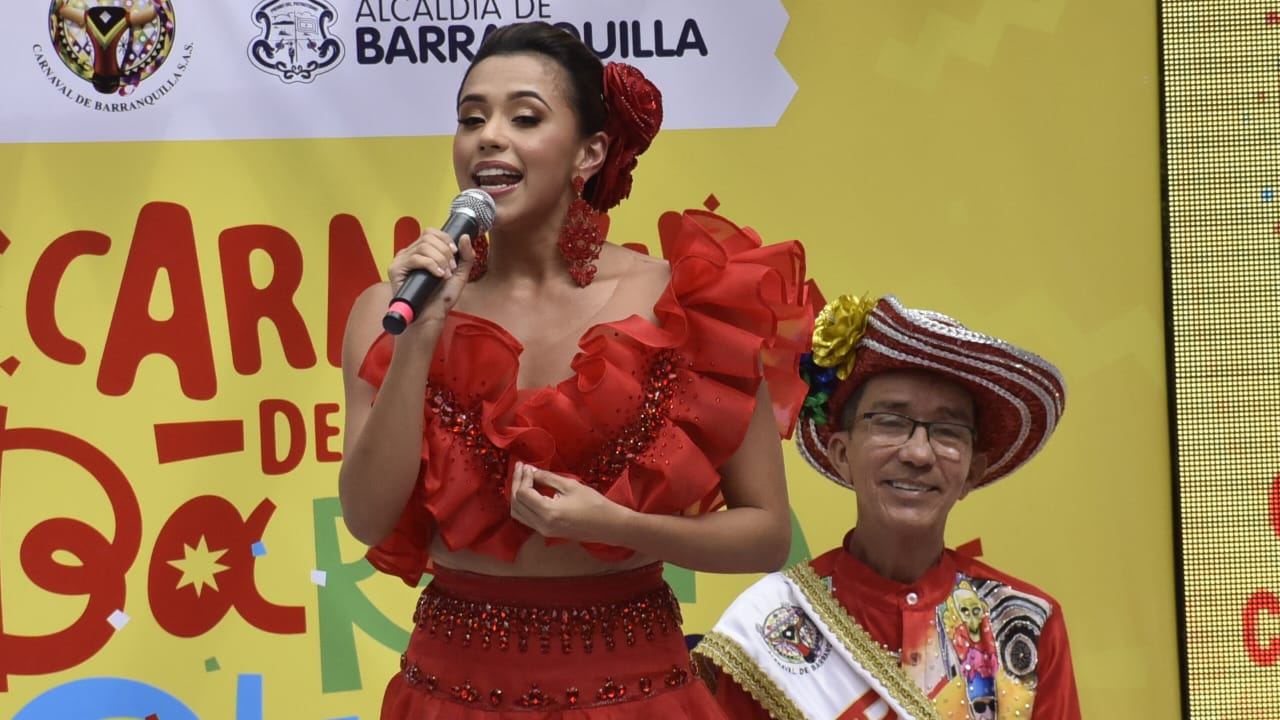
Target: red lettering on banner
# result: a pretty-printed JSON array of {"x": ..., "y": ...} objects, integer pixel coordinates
[
  {"x": 352, "y": 269},
  {"x": 46, "y": 279},
  {"x": 248, "y": 305},
  {"x": 407, "y": 230},
  {"x": 1261, "y": 654},
  {"x": 281, "y": 455},
  {"x": 102, "y": 563},
  {"x": 188, "y": 606},
  {"x": 272, "y": 463},
  {"x": 324, "y": 431},
  {"x": 858, "y": 710},
  {"x": 197, "y": 439},
  {"x": 164, "y": 240}
]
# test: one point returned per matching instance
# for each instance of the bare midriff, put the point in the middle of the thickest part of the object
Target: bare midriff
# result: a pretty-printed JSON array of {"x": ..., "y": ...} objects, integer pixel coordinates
[{"x": 535, "y": 559}]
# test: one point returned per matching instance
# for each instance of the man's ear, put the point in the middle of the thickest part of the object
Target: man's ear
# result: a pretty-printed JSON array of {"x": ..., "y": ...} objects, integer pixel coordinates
[
  {"x": 977, "y": 468},
  {"x": 591, "y": 157},
  {"x": 838, "y": 454}
]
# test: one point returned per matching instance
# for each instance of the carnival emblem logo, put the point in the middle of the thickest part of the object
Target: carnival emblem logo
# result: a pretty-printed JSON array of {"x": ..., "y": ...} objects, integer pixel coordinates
[
  {"x": 295, "y": 44},
  {"x": 114, "y": 44},
  {"x": 794, "y": 639}
]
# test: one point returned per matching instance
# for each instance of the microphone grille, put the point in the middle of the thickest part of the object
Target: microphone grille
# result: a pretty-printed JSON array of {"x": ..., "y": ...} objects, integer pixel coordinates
[{"x": 478, "y": 204}]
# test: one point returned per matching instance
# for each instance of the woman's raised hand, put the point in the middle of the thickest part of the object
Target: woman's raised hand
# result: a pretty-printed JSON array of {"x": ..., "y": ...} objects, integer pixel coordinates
[{"x": 434, "y": 252}]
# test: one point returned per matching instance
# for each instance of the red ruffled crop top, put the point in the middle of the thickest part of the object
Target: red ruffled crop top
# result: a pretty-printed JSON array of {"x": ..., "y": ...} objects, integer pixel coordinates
[{"x": 649, "y": 414}]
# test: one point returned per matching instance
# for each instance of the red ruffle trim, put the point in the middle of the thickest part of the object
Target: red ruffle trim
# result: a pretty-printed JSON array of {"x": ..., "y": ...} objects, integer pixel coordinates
[{"x": 731, "y": 306}]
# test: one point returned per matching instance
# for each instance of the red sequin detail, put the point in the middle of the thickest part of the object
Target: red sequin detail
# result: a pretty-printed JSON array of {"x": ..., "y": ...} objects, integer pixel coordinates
[
  {"x": 676, "y": 677},
  {"x": 659, "y": 392},
  {"x": 413, "y": 675},
  {"x": 464, "y": 422},
  {"x": 466, "y": 693},
  {"x": 611, "y": 691},
  {"x": 536, "y": 698},
  {"x": 465, "y": 620}
]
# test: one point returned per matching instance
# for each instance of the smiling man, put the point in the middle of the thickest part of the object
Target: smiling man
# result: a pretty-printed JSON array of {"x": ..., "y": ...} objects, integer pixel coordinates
[{"x": 911, "y": 411}]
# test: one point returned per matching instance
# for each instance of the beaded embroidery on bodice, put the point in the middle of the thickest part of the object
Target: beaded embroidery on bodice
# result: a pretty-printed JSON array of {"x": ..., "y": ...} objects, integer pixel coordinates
[{"x": 465, "y": 420}]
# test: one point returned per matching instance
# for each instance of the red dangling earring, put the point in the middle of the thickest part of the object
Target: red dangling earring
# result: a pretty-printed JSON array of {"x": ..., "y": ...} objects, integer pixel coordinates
[
  {"x": 480, "y": 246},
  {"x": 582, "y": 236}
]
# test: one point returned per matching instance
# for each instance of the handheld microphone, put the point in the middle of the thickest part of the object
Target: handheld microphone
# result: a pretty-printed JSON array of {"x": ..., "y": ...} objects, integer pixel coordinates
[{"x": 471, "y": 213}]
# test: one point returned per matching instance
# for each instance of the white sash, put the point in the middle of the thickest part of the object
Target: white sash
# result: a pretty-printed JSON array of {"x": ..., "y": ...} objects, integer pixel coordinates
[{"x": 790, "y": 644}]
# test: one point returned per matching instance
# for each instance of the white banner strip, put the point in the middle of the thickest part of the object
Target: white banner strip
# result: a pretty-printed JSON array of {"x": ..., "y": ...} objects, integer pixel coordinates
[{"x": 137, "y": 70}]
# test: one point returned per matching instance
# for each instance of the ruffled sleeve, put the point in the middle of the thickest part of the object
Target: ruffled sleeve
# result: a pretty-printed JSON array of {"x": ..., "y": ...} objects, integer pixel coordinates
[
  {"x": 755, "y": 287},
  {"x": 460, "y": 480},
  {"x": 734, "y": 313}
]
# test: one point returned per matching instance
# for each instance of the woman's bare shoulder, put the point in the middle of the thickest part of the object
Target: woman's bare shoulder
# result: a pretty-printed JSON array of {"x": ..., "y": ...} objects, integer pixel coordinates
[{"x": 638, "y": 266}]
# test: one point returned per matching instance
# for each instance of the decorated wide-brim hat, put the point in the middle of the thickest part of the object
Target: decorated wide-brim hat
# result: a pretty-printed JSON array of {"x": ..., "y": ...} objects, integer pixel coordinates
[{"x": 1018, "y": 395}]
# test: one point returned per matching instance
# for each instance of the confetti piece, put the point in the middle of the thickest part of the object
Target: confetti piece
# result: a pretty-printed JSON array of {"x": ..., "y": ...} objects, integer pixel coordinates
[
  {"x": 259, "y": 549},
  {"x": 152, "y": 716},
  {"x": 211, "y": 665},
  {"x": 319, "y": 577},
  {"x": 10, "y": 365},
  {"x": 4, "y": 242},
  {"x": 118, "y": 619},
  {"x": 711, "y": 203}
]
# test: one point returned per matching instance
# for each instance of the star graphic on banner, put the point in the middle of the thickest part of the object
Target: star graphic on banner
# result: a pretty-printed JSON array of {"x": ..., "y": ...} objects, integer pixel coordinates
[{"x": 199, "y": 566}]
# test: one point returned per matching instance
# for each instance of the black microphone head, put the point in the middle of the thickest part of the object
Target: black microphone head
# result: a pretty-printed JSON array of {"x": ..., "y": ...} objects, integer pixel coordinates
[{"x": 478, "y": 204}]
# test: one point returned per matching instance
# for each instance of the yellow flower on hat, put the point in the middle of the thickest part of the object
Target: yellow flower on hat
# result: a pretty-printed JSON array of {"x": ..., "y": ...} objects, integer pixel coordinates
[{"x": 837, "y": 330}]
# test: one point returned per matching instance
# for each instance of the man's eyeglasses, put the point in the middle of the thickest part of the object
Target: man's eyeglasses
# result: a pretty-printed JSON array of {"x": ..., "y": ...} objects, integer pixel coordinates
[{"x": 949, "y": 439}]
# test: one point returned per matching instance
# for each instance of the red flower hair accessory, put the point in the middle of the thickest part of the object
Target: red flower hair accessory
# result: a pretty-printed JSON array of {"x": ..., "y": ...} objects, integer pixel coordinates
[{"x": 634, "y": 107}]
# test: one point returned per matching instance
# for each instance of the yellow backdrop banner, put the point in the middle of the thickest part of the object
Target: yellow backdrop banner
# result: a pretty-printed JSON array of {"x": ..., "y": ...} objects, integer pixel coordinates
[{"x": 171, "y": 312}]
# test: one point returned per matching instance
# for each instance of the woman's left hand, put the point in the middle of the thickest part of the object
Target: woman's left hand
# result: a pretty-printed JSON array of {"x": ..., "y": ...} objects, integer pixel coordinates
[{"x": 573, "y": 512}]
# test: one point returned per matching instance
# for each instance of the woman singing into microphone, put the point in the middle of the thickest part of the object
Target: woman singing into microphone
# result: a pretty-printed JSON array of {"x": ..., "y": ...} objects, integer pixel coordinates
[{"x": 565, "y": 414}]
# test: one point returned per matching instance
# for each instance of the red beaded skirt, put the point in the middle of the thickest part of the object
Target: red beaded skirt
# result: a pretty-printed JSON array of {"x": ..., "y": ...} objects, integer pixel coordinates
[{"x": 607, "y": 647}]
